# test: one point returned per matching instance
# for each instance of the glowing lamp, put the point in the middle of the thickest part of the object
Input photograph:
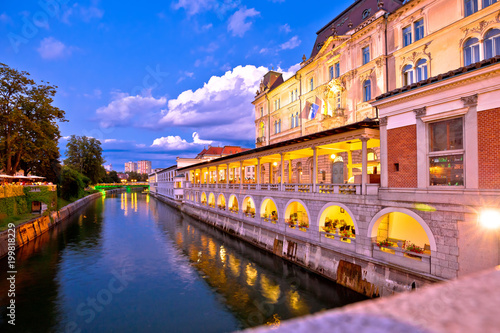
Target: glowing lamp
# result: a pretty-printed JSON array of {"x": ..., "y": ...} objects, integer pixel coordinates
[
  {"x": 332, "y": 156},
  {"x": 490, "y": 219}
]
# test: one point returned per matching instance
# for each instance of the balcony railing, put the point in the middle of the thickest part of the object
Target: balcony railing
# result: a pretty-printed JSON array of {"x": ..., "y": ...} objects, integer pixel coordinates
[{"x": 344, "y": 189}]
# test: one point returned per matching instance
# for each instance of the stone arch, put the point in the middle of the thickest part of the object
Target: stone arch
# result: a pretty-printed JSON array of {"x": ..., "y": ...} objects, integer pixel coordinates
[
  {"x": 346, "y": 209},
  {"x": 302, "y": 203},
  {"x": 375, "y": 222},
  {"x": 221, "y": 200},
  {"x": 246, "y": 201},
  {"x": 233, "y": 202},
  {"x": 203, "y": 198},
  {"x": 211, "y": 199},
  {"x": 268, "y": 209}
]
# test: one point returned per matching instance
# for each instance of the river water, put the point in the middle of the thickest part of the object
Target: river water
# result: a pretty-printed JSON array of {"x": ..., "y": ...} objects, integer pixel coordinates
[{"x": 129, "y": 263}]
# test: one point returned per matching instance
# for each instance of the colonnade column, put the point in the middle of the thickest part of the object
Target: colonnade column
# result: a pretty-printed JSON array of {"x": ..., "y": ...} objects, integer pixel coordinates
[
  {"x": 384, "y": 175},
  {"x": 227, "y": 173},
  {"x": 257, "y": 172},
  {"x": 349, "y": 165},
  {"x": 217, "y": 174},
  {"x": 241, "y": 172},
  {"x": 315, "y": 168},
  {"x": 282, "y": 170},
  {"x": 289, "y": 171},
  {"x": 364, "y": 164}
]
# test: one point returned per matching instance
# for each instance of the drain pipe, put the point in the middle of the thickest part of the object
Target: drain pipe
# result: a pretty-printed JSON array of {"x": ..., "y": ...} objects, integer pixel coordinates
[{"x": 386, "y": 16}]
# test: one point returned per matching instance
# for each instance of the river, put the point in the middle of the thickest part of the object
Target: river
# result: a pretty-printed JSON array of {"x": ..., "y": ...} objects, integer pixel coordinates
[{"x": 129, "y": 263}]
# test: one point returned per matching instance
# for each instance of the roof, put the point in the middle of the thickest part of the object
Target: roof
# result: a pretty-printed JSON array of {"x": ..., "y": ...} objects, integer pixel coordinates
[
  {"x": 367, "y": 123},
  {"x": 350, "y": 18},
  {"x": 441, "y": 77}
]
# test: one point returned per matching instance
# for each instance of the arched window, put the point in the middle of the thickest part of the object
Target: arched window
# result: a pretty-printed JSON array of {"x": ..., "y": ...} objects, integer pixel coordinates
[
  {"x": 421, "y": 70},
  {"x": 492, "y": 43},
  {"x": 471, "y": 51},
  {"x": 367, "y": 90},
  {"x": 262, "y": 131},
  {"x": 407, "y": 75}
]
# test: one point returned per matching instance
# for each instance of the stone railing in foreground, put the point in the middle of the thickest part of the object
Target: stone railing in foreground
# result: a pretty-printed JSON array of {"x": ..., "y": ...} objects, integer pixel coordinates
[{"x": 469, "y": 304}]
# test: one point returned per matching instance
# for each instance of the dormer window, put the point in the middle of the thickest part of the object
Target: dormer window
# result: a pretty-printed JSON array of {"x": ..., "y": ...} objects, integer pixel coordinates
[{"x": 366, "y": 13}]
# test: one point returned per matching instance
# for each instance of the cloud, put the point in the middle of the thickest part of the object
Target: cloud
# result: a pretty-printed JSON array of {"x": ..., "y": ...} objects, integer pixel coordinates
[
  {"x": 207, "y": 27},
  {"x": 95, "y": 94},
  {"x": 238, "y": 24},
  {"x": 193, "y": 7},
  {"x": 285, "y": 28},
  {"x": 4, "y": 18},
  {"x": 86, "y": 14},
  {"x": 291, "y": 44},
  {"x": 210, "y": 48},
  {"x": 184, "y": 75},
  {"x": 124, "y": 108},
  {"x": 177, "y": 143},
  {"x": 51, "y": 48}
]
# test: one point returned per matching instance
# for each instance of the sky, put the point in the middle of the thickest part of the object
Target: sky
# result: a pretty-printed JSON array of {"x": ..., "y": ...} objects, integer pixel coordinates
[{"x": 156, "y": 80}]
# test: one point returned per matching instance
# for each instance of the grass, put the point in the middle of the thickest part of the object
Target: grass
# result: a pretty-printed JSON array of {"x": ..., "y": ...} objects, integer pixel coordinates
[{"x": 19, "y": 219}]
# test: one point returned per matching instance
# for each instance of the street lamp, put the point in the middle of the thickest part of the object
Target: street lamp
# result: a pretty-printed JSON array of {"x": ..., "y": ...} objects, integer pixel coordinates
[{"x": 490, "y": 219}]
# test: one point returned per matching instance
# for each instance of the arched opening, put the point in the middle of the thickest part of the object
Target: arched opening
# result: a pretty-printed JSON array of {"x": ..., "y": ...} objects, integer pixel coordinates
[
  {"x": 268, "y": 211},
  {"x": 407, "y": 75},
  {"x": 221, "y": 202},
  {"x": 335, "y": 220},
  {"x": 36, "y": 207},
  {"x": 296, "y": 216},
  {"x": 211, "y": 200},
  {"x": 233, "y": 204},
  {"x": 471, "y": 51},
  {"x": 203, "y": 199},
  {"x": 248, "y": 207},
  {"x": 397, "y": 229}
]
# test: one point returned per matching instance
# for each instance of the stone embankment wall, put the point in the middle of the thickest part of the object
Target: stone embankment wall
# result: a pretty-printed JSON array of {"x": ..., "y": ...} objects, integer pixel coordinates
[
  {"x": 363, "y": 274},
  {"x": 28, "y": 231}
]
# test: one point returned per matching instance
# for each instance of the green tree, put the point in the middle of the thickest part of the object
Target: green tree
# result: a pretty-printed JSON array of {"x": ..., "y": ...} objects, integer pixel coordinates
[
  {"x": 72, "y": 183},
  {"x": 111, "y": 177},
  {"x": 29, "y": 132},
  {"x": 85, "y": 155}
]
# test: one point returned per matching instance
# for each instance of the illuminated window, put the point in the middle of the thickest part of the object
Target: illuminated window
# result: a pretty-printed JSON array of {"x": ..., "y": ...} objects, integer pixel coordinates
[
  {"x": 492, "y": 43},
  {"x": 471, "y": 51},
  {"x": 446, "y": 153}
]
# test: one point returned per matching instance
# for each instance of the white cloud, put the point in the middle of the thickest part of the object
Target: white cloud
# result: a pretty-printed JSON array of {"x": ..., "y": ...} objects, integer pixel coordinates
[
  {"x": 177, "y": 143},
  {"x": 285, "y": 28},
  {"x": 193, "y": 7},
  {"x": 86, "y": 14},
  {"x": 238, "y": 24},
  {"x": 51, "y": 48},
  {"x": 124, "y": 108},
  {"x": 207, "y": 27},
  {"x": 291, "y": 44}
]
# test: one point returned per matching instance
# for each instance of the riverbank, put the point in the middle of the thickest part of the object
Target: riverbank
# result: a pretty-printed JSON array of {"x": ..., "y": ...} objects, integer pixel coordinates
[{"x": 30, "y": 230}]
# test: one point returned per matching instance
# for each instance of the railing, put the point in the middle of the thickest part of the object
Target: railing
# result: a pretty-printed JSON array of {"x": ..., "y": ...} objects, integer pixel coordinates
[
  {"x": 344, "y": 189},
  {"x": 396, "y": 255}
]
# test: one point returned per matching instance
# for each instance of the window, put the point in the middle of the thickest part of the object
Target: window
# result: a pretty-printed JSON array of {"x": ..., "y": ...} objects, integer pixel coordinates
[
  {"x": 261, "y": 112},
  {"x": 338, "y": 100},
  {"x": 367, "y": 91},
  {"x": 470, "y": 7},
  {"x": 337, "y": 69},
  {"x": 421, "y": 70},
  {"x": 292, "y": 122},
  {"x": 407, "y": 75},
  {"x": 366, "y": 55},
  {"x": 279, "y": 126},
  {"x": 471, "y": 51},
  {"x": 446, "y": 156},
  {"x": 487, "y": 3},
  {"x": 311, "y": 84},
  {"x": 296, "y": 119},
  {"x": 275, "y": 127},
  {"x": 419, "y": 29},
  {"x": 407, "y": 36},
  {"x": 366, "y": 13},
  {"x": 330, "y": 72},
  {"x": 492, "y": 43}
]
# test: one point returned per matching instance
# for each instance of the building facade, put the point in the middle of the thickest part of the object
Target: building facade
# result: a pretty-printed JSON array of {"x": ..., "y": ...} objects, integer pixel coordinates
[
  {"x": 396, "y": 186},
  {"x": 130, "y": 167},
  {"x": 144, "y": 167}
]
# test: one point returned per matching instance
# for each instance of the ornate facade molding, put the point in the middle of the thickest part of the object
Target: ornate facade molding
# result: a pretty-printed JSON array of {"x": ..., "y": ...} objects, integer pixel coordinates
[
  {"x": 420, "y": 112},
  {"x": 382, "y": 121},
  {"x": 480, "y": 28},
  {"x": 469, "y": 101}
]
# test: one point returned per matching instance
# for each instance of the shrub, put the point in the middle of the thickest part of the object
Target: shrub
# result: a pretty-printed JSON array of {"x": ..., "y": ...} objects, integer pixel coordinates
[{"x": 72, "y": 183}]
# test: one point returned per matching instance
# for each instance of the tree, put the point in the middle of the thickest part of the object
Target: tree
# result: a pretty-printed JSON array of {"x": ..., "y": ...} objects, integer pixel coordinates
[
  {"x": 72, "y": 183},
  {"x": 138, "y": 177},
  {"x": 85, "y": 155},
  {"x": 29, "y": 132},
  {"x": 111, "y": 177}
]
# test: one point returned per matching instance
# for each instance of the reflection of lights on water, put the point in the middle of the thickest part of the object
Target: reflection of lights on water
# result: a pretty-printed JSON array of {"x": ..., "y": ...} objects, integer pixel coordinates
[
  {"x": 199, "y": 256},
  {"x": 274, "y": 322},
  {"x": 147, "y": 198},
  {"x": 121, "y": 202},
  {"x": 80, "y": 220},
  {"x": 490, "y": 219},
  {"x": 178, "y": 238},
  {"x": 135, "y": 199},
  {"x": 222, "y": 253},
  {"x": 251, "y": 275},
  {"x": 212, "y": 249},
  {"x": 296, "y": 302},
  {"x": 234, "y": 264},
  {"x": 204, "y": 241},
  {"x": 270, "y": 291}
]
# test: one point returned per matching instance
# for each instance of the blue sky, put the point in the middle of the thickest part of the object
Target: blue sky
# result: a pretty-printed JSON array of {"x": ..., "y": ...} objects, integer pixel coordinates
[{"x": 158, "y": 79}]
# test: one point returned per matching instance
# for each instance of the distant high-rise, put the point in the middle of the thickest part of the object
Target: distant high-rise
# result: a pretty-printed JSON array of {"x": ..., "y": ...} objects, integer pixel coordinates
[
  {"x": 130, "y": 167},
  {"x": 144, "y": 167}
]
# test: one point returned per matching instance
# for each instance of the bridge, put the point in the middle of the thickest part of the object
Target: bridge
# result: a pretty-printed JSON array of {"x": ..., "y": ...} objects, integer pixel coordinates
[{"x": 128, "y": 185}]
